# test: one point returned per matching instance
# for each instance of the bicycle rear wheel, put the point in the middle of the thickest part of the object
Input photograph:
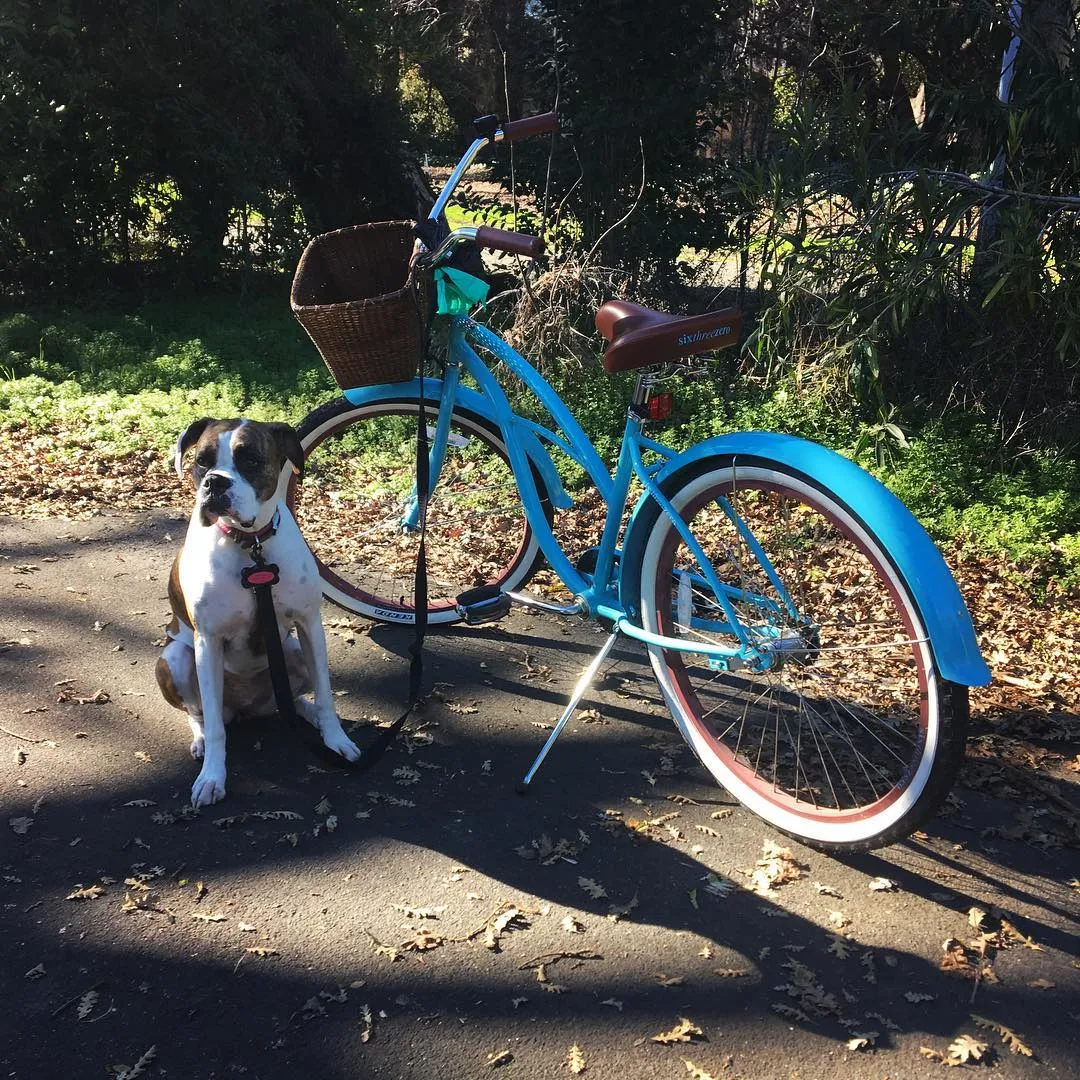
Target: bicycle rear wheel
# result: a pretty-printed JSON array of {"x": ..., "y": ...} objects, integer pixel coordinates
[
  {"x": 844, "y": 735},
  {"x": 359, "y": 477}
]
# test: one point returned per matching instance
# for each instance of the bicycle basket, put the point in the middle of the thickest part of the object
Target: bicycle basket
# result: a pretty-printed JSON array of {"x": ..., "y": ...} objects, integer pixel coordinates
[{"x": 354, "y": 294}]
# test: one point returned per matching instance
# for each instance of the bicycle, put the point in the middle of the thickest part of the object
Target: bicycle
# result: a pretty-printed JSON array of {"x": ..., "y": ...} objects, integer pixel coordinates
[{"x": 806, "y": 635}]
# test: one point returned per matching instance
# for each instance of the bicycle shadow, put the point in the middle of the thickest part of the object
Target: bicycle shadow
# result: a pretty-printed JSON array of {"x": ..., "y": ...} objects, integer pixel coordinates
[{"x": 687, "y": 938}]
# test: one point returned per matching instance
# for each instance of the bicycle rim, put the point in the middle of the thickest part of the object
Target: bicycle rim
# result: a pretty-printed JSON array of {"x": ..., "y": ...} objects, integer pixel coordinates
[
  {"x": 357, "y": 488},
  {"x": 837, "y": 741}
]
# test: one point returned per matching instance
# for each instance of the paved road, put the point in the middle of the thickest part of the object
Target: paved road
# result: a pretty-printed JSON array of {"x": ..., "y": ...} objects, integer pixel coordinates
[{"x": 278, "y": 946}]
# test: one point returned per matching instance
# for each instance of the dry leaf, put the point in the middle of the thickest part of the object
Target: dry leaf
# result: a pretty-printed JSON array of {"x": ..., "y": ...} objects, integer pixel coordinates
[
  {"x": 684, "y": 1031},
  {"x": 840, "y": 947},
  {"x": 86, "y": 1004},
  {"x": 668, "y": 980},
  {"x": 91, "y": 892},
  {"x": 572, "y": 925},
  {"x": 593, "y": 888},
  {"x": 1009, "y": 1037},
  {"x": 503, "y": 1057},
  {"x": 915, "y": 997},
  {"x": 422, "y": 941},
  {"x": 35, "y": 973},
  {"x": 575, "y": 1061},
  {"x": 861, "y": 1040},
  {"x": 202, "y": 916},
  {"x": 731, "y": 973},
  {"x": 717, "y": 885},
  {"x": 613, "y": 1002},
  {"x": 789, "y": 1012},
  {"x": 132, "y": 1072},
  {"x": 20, "y": 825},
  {"x": 261, "y": 950},
  {"x": 882, "y": 884},
  {"x": 617, "y": 911},
  {"x": 777, "y": 866},
  {"x": 965, "y": 1048}
]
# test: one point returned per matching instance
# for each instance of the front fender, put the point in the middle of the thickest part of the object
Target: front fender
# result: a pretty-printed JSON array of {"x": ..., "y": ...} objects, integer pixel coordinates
[
  {"x": 912, "y": 552},
  {"x": 477, "y": 403}
]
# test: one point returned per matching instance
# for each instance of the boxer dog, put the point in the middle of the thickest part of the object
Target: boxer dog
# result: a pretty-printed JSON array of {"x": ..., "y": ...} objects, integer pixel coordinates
[{"x": 214, "y": 665}]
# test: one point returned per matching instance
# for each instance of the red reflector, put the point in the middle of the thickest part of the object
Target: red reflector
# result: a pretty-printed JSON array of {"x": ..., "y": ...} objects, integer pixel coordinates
[
  {"x": 659, "y": 406},
  {"x": 261, "y": 577}
]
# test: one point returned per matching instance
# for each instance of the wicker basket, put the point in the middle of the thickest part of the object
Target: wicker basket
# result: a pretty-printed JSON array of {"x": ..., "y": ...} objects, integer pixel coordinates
[{"x": 354, "y": 295}]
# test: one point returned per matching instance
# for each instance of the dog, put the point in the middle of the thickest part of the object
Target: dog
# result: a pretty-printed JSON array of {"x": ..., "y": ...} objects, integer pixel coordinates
[{"x": 215, "y": 666}]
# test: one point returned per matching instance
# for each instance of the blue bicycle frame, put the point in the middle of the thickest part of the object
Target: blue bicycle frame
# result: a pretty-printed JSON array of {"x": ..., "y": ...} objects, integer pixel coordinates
[{"x": 611, "y": 591}]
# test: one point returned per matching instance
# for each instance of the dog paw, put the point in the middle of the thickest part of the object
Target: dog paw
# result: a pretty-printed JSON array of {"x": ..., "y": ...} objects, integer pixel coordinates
[
  {"x": 208, "y": 789},
  {"x": 198, "y": 746},
  {"x": 341, "y": 744}
]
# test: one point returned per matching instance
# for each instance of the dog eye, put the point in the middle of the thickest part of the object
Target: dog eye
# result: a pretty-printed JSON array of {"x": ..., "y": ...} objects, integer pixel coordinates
[
  {"x": 204, "y": 459},
  {"x": 243, "y": 457}
]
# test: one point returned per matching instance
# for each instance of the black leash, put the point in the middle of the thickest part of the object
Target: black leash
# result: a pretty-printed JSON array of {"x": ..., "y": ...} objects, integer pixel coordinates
[{"x": 263, "y": 576}]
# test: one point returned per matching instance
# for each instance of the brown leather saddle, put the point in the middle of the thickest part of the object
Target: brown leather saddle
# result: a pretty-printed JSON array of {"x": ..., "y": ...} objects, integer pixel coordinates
[{"x": 638, "y": 335}]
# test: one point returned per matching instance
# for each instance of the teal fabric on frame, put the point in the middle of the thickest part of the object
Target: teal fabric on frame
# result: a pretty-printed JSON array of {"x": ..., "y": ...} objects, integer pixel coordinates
[{"x": 457, "y": 293}]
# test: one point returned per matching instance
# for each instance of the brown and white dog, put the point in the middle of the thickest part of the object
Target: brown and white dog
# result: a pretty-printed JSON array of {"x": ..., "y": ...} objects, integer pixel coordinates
[{"x": 214, "y": 666}]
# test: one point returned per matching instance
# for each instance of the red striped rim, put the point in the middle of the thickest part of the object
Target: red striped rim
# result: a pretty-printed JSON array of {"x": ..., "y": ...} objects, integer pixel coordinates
[{"x": 691, "y": 705}]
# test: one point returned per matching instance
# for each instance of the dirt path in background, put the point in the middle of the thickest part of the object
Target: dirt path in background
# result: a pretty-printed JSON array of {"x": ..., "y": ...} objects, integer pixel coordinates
[{"x": 394, "y": 924}]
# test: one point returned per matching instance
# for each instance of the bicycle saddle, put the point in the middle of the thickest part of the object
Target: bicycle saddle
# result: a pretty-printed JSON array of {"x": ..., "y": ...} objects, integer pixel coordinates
[{"x": 638, "y": 335}]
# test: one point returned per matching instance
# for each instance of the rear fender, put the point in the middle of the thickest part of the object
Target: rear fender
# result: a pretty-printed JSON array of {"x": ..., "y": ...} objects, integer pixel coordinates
[{"x": 912, "y": 552}]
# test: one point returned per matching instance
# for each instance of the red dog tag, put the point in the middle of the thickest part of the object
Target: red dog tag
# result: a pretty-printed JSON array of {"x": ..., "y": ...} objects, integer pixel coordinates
[{"x": 259, "y": 575}]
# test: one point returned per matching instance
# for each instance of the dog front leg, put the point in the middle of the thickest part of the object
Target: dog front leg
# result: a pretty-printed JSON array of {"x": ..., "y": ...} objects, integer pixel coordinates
[
  {"x": 313, "y": 642},
  {"x": 209, "y": 786}
]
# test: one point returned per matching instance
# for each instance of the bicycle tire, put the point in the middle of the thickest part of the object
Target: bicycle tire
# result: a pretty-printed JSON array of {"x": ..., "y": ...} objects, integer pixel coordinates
[
  {"x": 359, "y": 472},
  {"x": 853, "y": 739}
]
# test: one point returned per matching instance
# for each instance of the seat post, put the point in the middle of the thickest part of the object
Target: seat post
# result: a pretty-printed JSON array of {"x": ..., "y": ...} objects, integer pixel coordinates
[{"x": 643, "y": 384}]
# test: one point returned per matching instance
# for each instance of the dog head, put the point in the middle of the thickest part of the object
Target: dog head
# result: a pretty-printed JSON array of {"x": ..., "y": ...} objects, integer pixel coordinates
[{"x": 241, "y": 468}]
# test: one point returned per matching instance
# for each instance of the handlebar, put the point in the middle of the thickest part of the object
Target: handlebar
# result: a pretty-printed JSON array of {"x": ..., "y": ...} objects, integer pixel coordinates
[
  {"x": 529, "y": 125},
  {"x": 513, "y": 243}
]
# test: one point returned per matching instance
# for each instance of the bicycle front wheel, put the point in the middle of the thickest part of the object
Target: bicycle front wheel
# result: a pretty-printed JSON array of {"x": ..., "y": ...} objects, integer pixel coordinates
[
  {"x": 834, "y": 725},
  {"x": 359, "y": 477}
]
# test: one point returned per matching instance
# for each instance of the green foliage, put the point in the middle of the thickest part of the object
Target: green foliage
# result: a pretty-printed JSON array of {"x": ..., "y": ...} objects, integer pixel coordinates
[
  {"x": 141, "y": 132},
  {"x": 117, "y": 383}
]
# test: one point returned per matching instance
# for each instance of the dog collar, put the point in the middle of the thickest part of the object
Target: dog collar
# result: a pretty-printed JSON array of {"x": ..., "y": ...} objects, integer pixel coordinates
[{"x": 248, "y": 539}]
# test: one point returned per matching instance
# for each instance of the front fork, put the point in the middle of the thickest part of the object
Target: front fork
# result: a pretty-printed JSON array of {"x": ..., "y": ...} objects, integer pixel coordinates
[{"x": 439, "y": 439}]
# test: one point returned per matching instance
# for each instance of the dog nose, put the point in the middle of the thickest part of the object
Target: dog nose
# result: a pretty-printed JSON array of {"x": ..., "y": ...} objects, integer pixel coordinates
[{"x": 216, "y": 483}]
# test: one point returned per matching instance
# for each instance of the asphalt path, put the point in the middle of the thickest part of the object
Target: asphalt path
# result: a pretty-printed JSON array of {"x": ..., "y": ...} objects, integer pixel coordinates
[{"x": 422, "y": 920}]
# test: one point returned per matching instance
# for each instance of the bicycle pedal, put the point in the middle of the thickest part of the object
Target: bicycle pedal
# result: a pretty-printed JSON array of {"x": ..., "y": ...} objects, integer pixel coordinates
[{"x": 485, "y": 603}]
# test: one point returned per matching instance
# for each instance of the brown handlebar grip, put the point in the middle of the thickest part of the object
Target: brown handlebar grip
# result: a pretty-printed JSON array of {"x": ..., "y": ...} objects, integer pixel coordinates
[
  {"x": 514, "y": 243},
  {"x": 530, "y": 125}
]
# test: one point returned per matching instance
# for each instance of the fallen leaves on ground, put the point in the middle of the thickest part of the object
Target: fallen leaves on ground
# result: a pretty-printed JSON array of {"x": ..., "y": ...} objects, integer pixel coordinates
[
  {"x": 1008, "y": 1036},
  {"x": 575, "y": 1060},
  {"x": 684, "y": 1031},
  {"x": 964, "y": 1049},
  {"x": 777, "y": 866}
]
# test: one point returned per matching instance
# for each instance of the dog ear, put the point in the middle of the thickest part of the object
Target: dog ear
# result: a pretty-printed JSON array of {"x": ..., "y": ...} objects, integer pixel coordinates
[
  {"x": 289, "y": 445},
  {"x": 186, "y": 440}
]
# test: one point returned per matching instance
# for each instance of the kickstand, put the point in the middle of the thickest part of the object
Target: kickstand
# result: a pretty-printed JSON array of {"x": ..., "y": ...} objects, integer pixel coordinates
[{"x": 583, "y": 685}]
